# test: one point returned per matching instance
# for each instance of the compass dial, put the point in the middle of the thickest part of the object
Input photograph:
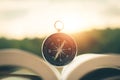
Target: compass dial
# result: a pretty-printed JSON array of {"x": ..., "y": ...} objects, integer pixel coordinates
[{"x": 59, "y": 49}]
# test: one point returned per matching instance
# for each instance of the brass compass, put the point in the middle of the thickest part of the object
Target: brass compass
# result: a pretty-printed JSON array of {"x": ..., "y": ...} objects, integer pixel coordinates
[{"x": 59, "y": 49}]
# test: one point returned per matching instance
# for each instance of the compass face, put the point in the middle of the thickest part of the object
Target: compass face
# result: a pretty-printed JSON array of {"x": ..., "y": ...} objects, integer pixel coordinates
[{"x": 59, "y": 49}]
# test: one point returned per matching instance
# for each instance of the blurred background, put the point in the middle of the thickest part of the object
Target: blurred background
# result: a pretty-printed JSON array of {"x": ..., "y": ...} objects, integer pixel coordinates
[{"x": 94, "y": 24}]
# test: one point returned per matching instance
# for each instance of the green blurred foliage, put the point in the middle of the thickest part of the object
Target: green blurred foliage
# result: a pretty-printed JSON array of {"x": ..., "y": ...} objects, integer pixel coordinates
[
  {"x": 94, "y": 41},
  {"x": 31, "y": 45},
  {"x": 98, "y": 41}
]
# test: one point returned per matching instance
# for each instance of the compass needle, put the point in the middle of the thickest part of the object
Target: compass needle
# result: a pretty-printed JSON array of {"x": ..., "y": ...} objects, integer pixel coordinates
[{"x": 59, "y": 50}]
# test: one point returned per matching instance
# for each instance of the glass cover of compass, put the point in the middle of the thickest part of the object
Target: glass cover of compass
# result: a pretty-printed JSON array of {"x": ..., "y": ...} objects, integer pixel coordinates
[{"x": 59, "y": 49}]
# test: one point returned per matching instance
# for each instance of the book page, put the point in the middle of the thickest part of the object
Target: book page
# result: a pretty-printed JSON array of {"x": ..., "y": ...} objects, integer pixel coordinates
[
  {"x": 25, "y": 59},
  {"x": 88, "y": 62}
]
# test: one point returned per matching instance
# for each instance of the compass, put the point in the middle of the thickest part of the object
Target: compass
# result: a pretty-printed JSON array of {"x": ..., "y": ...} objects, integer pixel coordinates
[{"x": 59, "y": 49}]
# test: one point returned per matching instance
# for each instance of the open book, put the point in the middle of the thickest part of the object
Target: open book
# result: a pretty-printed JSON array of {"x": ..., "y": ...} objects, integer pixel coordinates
[{"x": 83, "y": 67}]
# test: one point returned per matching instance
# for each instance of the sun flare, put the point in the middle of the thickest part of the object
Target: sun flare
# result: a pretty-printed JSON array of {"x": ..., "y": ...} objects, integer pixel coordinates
[{"x": 73, "y": 24}]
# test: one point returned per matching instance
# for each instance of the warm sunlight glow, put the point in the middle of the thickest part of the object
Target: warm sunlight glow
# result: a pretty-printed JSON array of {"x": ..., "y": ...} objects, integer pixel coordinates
[
  {"x": 35, "y": 18},
  {"x": 74, "y": 23}
]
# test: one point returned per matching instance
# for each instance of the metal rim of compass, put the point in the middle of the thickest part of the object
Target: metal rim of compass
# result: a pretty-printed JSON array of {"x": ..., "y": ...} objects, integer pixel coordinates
[{"x": 43, "y": 54}]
